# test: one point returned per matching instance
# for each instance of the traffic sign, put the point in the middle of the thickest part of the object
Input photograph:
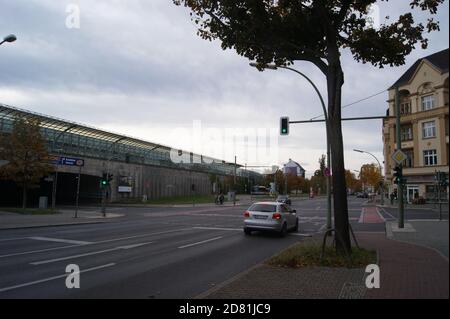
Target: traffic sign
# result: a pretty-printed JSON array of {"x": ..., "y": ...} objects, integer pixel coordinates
[
  {"x": 68, "y": 161},
  {"x": 399, "y": 156}
]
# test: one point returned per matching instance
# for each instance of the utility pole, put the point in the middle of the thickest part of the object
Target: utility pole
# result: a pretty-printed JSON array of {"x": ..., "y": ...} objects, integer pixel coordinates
[
  {"x": 78, "y": 192},
  {"x": 401, "y": 211},
  {"x": 234, "y": 182}
]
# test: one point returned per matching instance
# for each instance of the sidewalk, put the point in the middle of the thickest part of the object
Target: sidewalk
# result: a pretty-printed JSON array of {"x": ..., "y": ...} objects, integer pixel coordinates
[
  {"x": 407, "y": 271},
  {"x": 65, "y": 217},
  {"x": 433, "y": 234}
]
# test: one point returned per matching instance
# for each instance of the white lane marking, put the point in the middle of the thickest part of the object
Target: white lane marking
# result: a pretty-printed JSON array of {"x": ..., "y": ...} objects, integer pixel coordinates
[
  {"x": 218, "y": 228},
  {"x": 42, "y": 262},
  {"x": 37, "y": 251},
  {"x": 97, "y": 242},
  {"x": 387, "y": 213},
  {"x": 139, "y": 236},
  {"x": 200, "y": 242},
  {"x": 58, "y": 240},
  {"x": 53, "y": 278},
  {"x": 361, "y": 217},
  {"x": 318, "y": 207},
  {"x": 381, "y": 216}
]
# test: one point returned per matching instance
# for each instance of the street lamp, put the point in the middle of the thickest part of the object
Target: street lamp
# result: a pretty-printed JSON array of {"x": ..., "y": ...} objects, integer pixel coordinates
[
  {"x": 381, "y": 173},
  {"x": 275, "y": 67},
  {"x": 9, "y": 38}
]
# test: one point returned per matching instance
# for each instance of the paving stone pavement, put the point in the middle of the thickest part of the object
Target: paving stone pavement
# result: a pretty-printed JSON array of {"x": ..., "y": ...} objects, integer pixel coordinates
[
  {"x": 266, "y": 282},
  {"x": 406, "y": 271}
]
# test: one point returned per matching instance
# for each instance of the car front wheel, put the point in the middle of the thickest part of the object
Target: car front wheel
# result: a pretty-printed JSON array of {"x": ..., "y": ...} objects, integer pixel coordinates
[{"x": 247, "y": 232}]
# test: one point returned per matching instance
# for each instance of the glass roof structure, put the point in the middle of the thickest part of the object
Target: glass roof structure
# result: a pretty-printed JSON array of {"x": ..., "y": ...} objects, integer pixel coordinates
[{"x": 70, "y": 138}]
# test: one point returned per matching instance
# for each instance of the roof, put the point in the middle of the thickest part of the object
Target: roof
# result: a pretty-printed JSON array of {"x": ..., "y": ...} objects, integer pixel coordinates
[
  {"x": 291, "y": 161},
  {"x": 60, "y": 125},
  {"x": 439, "y": 60}
]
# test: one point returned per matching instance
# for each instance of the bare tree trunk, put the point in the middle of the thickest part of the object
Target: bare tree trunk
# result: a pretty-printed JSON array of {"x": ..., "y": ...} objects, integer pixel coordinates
[
  {"x": 335, "y": 80},
  {"x": 24, "y": 197}
]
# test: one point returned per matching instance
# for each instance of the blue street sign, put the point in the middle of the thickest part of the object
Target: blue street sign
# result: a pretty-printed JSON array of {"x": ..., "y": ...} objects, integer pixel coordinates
[{"x": 69, "y": 161}]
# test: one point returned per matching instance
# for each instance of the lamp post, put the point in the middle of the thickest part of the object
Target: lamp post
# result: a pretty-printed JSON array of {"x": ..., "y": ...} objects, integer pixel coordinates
[
  {"x": 381, "y": 173},
  {"x": 9, "y": 38},
  {"x": 328, "y": 180}
]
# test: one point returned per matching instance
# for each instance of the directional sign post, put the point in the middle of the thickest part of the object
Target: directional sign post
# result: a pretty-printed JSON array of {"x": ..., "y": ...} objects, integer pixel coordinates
[{"x": 67, "y": 161}]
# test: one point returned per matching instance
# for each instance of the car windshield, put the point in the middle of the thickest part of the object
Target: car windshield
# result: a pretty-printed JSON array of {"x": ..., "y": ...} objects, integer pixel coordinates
[
  {"x": 267, "y": 208},
  {"x": 282, "y": 197}
]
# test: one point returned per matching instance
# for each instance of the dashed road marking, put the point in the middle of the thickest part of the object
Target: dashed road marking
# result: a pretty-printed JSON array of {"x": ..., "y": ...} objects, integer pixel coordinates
[
  {"x": 200, "y": 242},
  {"x": 59, "y": 240},
  {"x": 36, "y": 263},
  {"x": 53, "y": 278}
]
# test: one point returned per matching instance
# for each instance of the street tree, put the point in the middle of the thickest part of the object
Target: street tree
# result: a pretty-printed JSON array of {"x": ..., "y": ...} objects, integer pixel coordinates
[
  {"x": 284, "y": 31},
  {"x": 352, "y": 182},
  {"x": 370, "y": 175},
  {"x": 27, "y": 156}
]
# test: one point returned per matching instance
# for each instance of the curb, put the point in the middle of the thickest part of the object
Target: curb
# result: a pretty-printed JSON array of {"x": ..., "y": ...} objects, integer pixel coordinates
[{"x": 53, "y": 225}]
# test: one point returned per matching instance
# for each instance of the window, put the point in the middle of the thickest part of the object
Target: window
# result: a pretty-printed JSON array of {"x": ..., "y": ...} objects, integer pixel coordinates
[
  {"x": 430, "y": 157},
  {"x": 427, "y": 102},
  {"x": 406, "y": 133},
  {"x": 409, "y": 161},
  {"x": 405, "y": 108},
  {"x": 429, "y": 129}
]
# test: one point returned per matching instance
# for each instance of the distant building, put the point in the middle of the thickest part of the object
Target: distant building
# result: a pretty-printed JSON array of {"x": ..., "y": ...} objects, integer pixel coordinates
[
  {"x": 424, "y": 125},
  {"x": 293, "y": 167}
]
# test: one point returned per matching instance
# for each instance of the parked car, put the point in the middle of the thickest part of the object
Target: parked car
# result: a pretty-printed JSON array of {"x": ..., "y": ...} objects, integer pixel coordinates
[
  {"x": 270, "y": 216},
  {"x": 284, "y": 199},
  {"x": 362, "y": 195}
]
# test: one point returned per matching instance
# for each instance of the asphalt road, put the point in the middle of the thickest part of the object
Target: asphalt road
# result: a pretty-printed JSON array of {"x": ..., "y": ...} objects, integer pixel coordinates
[{"x": 150, "y": 253}]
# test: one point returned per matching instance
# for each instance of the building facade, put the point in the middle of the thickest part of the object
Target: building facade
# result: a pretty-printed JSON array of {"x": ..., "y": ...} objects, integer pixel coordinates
[
  {"x": 293, "y": 167},
  {"x": 139, "y": 168},
  {"x": 423, "y": 91}
]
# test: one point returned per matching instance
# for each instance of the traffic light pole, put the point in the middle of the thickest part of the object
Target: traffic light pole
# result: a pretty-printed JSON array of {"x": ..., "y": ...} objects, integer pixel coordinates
[
  {"x": 401, "y": 208},
  {"x": 325, "y": 113}
]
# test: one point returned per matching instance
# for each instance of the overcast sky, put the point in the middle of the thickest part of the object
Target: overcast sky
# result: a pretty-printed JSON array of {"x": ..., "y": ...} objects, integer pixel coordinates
[{"x": 138, "y": 68}]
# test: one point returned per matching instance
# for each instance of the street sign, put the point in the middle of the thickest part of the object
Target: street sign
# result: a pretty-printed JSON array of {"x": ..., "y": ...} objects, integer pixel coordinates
[
  {"x": 68, "y": 161},
  {"x": 399, "y": 156}
]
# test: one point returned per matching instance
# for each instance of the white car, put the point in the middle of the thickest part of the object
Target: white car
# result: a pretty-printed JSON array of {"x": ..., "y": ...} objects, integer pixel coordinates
[{"x": 270, "y": 216}]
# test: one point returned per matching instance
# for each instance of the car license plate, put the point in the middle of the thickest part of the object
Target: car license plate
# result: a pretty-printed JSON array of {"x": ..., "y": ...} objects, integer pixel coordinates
[{"x": 260, "y": 216}]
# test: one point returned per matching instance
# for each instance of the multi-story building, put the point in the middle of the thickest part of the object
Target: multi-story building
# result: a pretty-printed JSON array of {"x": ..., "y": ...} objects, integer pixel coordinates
[
  {"x": 424, "y": 110},
  {"x": 293, "y": 167}
]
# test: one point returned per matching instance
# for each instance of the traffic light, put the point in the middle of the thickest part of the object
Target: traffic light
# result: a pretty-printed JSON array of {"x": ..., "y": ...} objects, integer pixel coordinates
[
  {"x": 104, "y": 179},
  {"x": 443, "y": 179},
  {"x": 398, "y": 175},
  {"x": 284, "y": 126}
]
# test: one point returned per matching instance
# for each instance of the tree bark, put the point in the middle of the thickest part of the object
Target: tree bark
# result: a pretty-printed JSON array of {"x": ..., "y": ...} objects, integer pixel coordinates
[
  {"x": 24, "y": 197},
  {"x": 335, "y": 81}
]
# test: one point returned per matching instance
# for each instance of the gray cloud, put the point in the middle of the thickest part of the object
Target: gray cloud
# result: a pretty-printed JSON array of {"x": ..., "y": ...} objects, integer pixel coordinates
[{"x": 137, "y": 67}]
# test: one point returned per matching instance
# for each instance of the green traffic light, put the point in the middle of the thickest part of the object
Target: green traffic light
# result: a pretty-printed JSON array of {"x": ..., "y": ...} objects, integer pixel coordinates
[{"x": 103, "y": 182}]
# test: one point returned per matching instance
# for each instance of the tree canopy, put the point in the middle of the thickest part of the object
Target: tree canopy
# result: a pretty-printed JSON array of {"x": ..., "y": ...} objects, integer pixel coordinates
[
  {"x": 27, "y": 156},
  {"x": 283, "y": 31}
]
